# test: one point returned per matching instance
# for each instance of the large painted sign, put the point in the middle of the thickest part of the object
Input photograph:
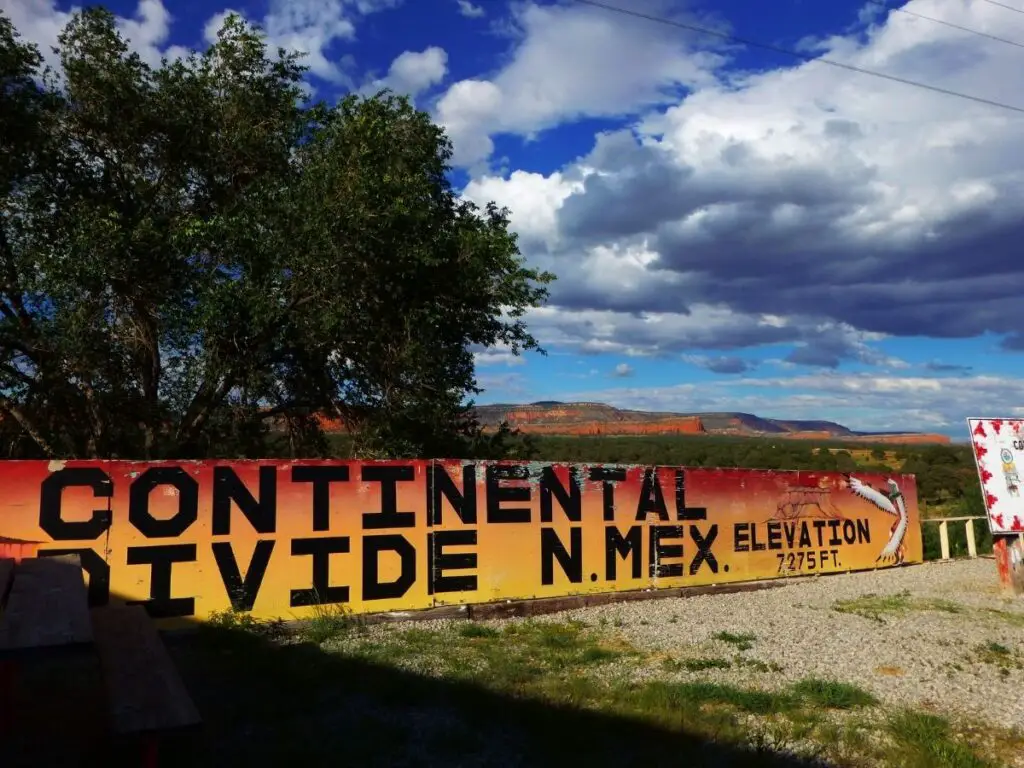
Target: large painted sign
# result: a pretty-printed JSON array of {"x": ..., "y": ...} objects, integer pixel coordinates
[
  {"x": 276, "y": 538},
  {"x": 999, "y": 454}
]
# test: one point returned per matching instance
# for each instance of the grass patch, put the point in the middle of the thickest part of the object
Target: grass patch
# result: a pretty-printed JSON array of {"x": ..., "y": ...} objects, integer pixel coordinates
[
  {"x": 237, "y": 622},
  {"x": 876, "y": 607},
  {"x": 1012, "y": 618},
  {"x": 1000, "y": 656},
  {"x": 831, "y": 694},
  {"x": 473, "y": 630},
  {"x": 464, "y": 684},
  {"x": 924, "y": 740},
  {"x": 695, "y": 665},
  {"x": 329, "y": 622},
  {"x": 660, "y": 696},
  {"x": 742, "y": 642},
  {"x": 759, "y": 666}
]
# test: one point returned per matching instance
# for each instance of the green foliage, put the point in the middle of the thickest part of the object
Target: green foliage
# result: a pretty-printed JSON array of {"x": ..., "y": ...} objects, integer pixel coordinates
[
  {"x": 328, "y": 622},
  {"x": 743, "y": 641},
  {"x": 190, "y": 253},
  {"x": 831, "y": 694},
  {"x": 925, "y": 740}
]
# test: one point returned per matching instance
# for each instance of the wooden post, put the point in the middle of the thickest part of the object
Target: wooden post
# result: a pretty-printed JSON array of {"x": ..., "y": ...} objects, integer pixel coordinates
[
  {"x": 972, "y": 548},
  {"x": 1009, "y": 552},
  {"x": 944, "y": 539}
]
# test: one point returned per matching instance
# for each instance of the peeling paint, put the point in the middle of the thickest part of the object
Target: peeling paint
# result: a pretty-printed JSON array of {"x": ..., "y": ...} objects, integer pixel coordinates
[{"x": 56, "y": 465}]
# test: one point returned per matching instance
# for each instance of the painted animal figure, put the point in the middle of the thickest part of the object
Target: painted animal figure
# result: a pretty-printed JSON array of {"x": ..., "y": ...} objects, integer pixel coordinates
[{"x": 892, "y": 503}]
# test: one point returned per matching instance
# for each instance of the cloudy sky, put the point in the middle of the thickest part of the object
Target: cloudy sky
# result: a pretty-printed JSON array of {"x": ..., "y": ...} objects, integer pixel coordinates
[{"x": 733, "y": 228}]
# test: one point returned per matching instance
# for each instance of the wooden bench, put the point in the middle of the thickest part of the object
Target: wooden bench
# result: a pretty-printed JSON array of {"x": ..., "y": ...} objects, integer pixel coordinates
[
  {"x": 47, "y": 608},
  {"x": 46, "y": 612},
  {"x": 147, "y": 695}
]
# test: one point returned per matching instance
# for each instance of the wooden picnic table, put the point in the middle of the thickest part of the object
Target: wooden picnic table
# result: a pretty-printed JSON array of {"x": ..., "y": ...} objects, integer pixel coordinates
[
  {"x": 44, "y": 612},
  {"x": 47, "y": 607}
]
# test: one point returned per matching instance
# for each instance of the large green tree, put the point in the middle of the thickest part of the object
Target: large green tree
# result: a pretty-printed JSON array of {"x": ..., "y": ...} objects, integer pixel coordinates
[{"x": 193, "y": 252}]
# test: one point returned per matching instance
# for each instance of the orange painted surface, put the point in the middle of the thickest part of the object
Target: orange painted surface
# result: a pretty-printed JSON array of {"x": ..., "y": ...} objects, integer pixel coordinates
[
  {"x": 191, "y": 538},
  {"x": 17, "y": 550}
]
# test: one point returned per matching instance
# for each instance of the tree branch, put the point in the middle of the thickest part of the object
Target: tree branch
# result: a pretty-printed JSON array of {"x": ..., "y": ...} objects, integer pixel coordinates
[
  {"x": 20, "y": 375},
  {"x": 199, "y": 409},
  {"x": 23, "y": 421}
]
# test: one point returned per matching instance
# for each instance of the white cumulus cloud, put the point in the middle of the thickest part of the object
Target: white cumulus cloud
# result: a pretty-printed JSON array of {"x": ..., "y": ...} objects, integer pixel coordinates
[
  {"x": 561, "y": 69},
  {"x": 469, "y": 10},
  {"x": 844, "y": 207},
  {"x": 413, "y": 72}
]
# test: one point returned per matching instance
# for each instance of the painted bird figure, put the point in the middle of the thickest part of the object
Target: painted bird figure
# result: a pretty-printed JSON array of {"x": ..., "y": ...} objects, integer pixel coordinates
[{"x": 893, "y": 504}]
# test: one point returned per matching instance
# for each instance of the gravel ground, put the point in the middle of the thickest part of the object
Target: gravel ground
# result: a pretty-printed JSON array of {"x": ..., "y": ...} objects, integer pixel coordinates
[{"x": 927, "y": 656}]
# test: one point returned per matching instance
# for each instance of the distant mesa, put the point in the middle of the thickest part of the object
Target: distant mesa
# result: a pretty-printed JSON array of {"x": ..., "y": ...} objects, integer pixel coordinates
[{"x": 556, "y": 418}]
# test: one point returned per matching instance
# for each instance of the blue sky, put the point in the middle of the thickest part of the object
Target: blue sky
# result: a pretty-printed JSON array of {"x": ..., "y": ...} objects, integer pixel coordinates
[{"x": 733, "y": 229}]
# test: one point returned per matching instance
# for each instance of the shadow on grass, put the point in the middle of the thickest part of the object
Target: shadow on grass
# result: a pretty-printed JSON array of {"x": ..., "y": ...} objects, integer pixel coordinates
[
  {"x": 518, "y": 694},
  {"x": 267, "y": 703},
  {"x": 308, "y": 706}
]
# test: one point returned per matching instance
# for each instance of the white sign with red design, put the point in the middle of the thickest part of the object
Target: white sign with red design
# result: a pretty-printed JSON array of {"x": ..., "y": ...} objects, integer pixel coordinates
[{"x": 999, "y": 454}]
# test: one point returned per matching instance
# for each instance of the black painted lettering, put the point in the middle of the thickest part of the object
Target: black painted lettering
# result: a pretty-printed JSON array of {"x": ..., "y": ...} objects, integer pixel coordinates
[
  {"x": 805, "y": 535},
  {"x": 321, "y": 478},
  {"x": 322, "y": 592},
  {"x": 495, "y": 474},
  {"x": 660, "y": 551},
  {"x": 774, "y": 535},
  {"x": 188, "y": 502},
  {"x": 373, "y": 546},
  {"x": 570, "y": 560},
  {"x": 52, "y": 489},
  {"x": 440, "y": 484},
  {"x": 242, "y": 590},
  {"x": 849, "y": 531},
  {"x": 819, "y": 526},
  {"x": 741, "y": 537},
  {"x": 684, "y": 512},
  {"x": 652, "y": 499},
  {"x": 703, "y": 544},
  {"x": 439, "y": 561},
  {"x": 617, "y": 545},
  {"x": 834, "y": 540},
  {"x": 95, "y": 566},
  {"x": 570, "y": 500},
  {"x": 389, "y": 477},
  {"x": 160, "y": 559},
  {"x": 608, "y": 477},
  {"x": 790, "y": 530},
  {"x": 863, "y": 532},
  {"x": 261, "y": 513},
  {"x": 755, "y": 545}
]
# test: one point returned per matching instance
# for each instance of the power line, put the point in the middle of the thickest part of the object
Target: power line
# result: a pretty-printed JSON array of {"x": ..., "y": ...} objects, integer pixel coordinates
[
  {"x": 916, "y": 15},
  {"x": 805, "y": 56},
  {"x": 1001, "y": 5}
]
